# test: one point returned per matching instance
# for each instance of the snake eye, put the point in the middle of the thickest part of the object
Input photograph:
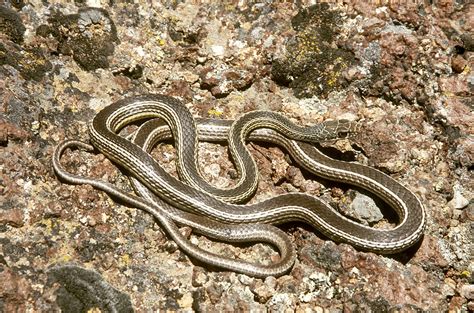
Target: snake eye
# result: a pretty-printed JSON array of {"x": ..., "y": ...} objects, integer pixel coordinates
[{"x": 343, "y": 134}]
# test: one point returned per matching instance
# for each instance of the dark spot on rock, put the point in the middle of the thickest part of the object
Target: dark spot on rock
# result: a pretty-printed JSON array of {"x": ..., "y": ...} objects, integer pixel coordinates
[
  {"x": 40, "y": 249},
  {"x": 18, "y": 4},
  {"x": 79, "y": 3},
  {"x": 468, "y": 40},
  {"x": 348, "y": 156},
  {"x": 4, "y": 262},
  {"x": 459, "y": 49},
  {"x": 288, "y": 285},
  {"x": 327, "y": 256},
  {"x": 363, "y": 304},
  {"x": 11, "y": 25},
  {"x": 89, "y": 251},
  {"x": 251, "y": 13},
  {"x": 312, "y": 65},
  {"x": 172, "y": 297},
  {"x": 7, "y": 56},
  {"x": 29, "y": 62},
  {"x": 315, "y": 14},
  {"x": 43, "y": 30},
  {"x": 185, "y": 37},
  {"x": 89, "y": 36},
  {"x": 214, "y": 292},
  {"x": 452, "y": 132},
  {"x": 67, "y": 117},
  {"x": 4, "y": 241},
  {"x": 72, "y": 78},
  {"x": 199, "y": 296},
  {"x": 82, "y": 290},
  {"x": 14, "y": 250},
  {"x": 135, "y": 72}
]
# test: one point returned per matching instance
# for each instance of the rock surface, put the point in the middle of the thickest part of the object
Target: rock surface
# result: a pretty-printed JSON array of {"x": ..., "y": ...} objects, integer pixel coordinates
[{"x": 404, "y": 70}]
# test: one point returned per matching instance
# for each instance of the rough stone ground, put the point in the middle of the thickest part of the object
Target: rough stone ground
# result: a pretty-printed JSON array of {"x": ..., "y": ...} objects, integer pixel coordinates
[{"x": 406, "y": 70}]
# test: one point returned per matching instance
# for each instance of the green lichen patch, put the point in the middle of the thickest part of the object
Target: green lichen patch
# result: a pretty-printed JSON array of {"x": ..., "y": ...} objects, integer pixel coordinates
[{"x": 313, "y": 63}]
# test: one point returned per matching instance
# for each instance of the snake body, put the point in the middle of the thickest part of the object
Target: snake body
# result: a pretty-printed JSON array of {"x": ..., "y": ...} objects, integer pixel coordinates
[
  {"x": 168, "y": 216},
  {"x": 208, "y": 205}
]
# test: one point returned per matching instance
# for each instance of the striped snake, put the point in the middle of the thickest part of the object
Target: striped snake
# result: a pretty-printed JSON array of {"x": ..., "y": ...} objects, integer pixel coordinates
[{"x": 210, "y": 210}]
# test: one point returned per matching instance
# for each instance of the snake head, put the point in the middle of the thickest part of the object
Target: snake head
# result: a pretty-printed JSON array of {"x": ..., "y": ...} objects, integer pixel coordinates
[{"x": 330, "y": 130}]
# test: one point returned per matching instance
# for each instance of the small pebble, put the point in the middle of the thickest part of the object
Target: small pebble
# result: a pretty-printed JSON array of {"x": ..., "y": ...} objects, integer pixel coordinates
[
  {"x": 467, "y": 291},
  {"x": 458, "y": 201}
]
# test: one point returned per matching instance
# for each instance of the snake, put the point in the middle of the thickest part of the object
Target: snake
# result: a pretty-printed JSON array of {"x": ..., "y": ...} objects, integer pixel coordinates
[
  {"x": 168, "y": 216},
  {"x": 257, "y": 125}
]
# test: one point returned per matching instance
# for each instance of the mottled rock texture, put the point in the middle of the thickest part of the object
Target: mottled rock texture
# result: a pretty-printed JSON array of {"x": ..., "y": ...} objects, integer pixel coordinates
[{"x": 403, "y": 70}]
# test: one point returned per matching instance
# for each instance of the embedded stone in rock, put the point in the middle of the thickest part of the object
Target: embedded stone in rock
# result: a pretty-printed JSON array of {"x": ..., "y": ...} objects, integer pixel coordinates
[
  {"x": 458, "y": 201},
  {"x": 221, "y": 80},
  {"x": 362, "y": 208}
]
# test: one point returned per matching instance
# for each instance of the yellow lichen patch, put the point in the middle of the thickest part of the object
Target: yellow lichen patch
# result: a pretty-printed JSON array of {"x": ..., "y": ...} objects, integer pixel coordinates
[
  {"x": 215, "y": 112},
  {"x": 313, "y": 63},
  {"x": 63, "y": 251},
  {"x": 332, "y": 79},
  {"x": 308, "y": 45},
  {"x": 30, "y": 61},
  {"x": 48, "y": 223},
  {"x": 160, "y": 41},
  {"x": 63, "y": 255},
  {"x": 334, "y": 75},
  {"x": 125, "y": 260},
  {"x": 448, "y": 94}
]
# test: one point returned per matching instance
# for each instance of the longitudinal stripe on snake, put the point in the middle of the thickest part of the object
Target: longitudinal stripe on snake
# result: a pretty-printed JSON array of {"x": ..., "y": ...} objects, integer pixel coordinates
[
  {"x": 167, "y": 215},
  {"x": 276, "y": 210}
]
